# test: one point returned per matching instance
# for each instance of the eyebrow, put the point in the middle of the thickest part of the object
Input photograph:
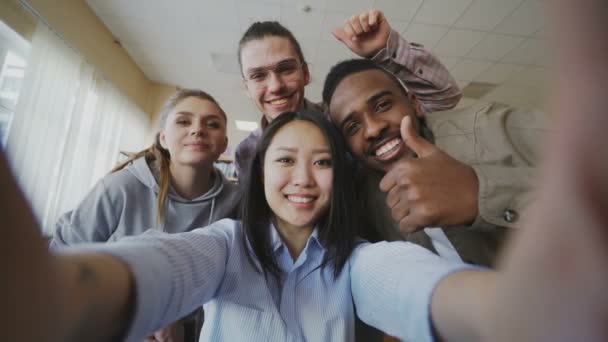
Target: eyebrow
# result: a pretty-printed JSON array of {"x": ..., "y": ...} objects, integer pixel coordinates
[
  {"x": 294, "y": 149},
  {"x": 183, "y": 112},
  {"x": 369, "y": 101},
  {"x": 262, "y": 68}
]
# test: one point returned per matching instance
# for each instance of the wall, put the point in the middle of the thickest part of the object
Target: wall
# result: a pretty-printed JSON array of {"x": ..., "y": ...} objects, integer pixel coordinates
[
  {"x": 78, "y": 25},
  {"x": 81, "y": 28},
  {"x": 17, "y": 18}
]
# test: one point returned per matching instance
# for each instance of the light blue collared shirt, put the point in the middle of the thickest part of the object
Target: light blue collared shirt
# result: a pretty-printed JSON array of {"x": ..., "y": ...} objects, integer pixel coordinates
[{"x": 390, "y": 284}]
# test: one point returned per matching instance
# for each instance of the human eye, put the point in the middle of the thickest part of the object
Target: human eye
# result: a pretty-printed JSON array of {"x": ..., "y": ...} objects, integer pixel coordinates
[
  {"x": 182, "y": 121},
  {"x": 284, "y": 160},
  {"x": 257, "y": 76},
  {"x": 324, "y": 162},
  {"x": 351, "y": 127},
  {"x": 382, "y": 105},
  {"x": 213, "y": 124},
  {"x": 286, "y": 69}
]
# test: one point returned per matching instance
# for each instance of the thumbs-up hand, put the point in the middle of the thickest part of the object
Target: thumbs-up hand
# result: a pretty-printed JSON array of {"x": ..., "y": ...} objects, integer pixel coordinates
[
  {"x": 364, "y": 34},
  {"x": 430, "y": 190}
]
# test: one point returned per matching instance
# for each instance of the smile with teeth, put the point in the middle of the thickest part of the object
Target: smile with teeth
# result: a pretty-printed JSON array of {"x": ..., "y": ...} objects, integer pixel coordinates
[
  {"x": 278, "y": 102},
  {"x": 388, "y": 147},
  {"x": 300, "y": 199}
]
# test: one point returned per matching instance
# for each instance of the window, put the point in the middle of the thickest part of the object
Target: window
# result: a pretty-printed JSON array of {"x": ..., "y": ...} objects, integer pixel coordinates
[{"x": 14, "y": 51}]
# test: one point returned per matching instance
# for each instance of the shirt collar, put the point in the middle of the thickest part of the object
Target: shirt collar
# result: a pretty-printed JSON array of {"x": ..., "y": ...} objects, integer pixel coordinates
[{"x": 276, "y": 241}]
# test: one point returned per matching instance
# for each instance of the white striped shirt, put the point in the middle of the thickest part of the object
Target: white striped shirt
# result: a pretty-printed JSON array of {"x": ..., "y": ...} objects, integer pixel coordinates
[{"x": 390, "y": 283}]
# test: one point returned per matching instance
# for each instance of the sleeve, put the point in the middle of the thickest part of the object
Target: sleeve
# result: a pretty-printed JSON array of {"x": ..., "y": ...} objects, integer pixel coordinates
[
  {"x": 392, "y": 284},
  {"x": 423, "y": 74},
  {"x": 508, "y": 151},
  {"x": 504, "y": 193},
  {"x": 173, "y": 274},
  {"x": 93, "y": 220}
]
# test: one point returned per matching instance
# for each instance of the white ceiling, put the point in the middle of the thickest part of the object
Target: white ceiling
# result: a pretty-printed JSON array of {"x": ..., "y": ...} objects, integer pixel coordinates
[{"x": 495, "y": 41}]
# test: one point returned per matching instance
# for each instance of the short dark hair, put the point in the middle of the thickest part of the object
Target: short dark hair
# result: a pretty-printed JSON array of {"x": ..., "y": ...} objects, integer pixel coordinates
[
  {"x": 263, "y": 29},
  {"x": 337, "y": 228},
  {"x": 348, "y": 67}
]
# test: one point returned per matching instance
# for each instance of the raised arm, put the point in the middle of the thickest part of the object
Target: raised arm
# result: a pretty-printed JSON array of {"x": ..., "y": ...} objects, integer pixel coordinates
[
  {"x": 407, "y": 291},
  {"x": 369, "y": 35}
]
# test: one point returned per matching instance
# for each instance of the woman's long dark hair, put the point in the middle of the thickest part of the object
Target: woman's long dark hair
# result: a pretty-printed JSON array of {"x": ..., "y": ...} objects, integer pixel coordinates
[{"x": 337, "y": 228}]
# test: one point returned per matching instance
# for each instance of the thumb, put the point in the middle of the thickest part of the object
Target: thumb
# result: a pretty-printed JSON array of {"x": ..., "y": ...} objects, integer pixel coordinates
[
  {"x": 413, "y": 140},
  {"x": 340, "y": 34}
]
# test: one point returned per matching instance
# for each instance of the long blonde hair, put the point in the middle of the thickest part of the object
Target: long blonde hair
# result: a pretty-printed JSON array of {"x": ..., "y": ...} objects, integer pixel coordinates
[{"x": 157, "y": 156}]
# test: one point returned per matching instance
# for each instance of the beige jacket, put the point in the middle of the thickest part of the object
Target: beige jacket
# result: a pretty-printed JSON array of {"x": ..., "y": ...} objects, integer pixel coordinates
[{"x": 501, "y": 144}]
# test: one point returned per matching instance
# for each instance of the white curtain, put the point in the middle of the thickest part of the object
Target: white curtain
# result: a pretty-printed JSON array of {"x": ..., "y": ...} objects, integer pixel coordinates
[{"x": 68, "y": 128}]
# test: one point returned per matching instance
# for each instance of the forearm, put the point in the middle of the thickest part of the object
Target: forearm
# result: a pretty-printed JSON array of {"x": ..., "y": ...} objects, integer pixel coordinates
[
  {"x": 25, "y": 267},
  {"x": 423, "y": 73},
  {"x": 96, "y": 296},
  {"x": 459, "y": 305},
  {"x": 67, "y": 297}
]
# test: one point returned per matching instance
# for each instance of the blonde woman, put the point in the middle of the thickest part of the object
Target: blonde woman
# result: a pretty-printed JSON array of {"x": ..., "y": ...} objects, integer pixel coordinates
[{"x": 172, "y": 186}]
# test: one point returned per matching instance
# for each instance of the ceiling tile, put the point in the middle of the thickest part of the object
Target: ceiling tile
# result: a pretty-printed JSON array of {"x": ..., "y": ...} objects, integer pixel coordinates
[
  {"x": 525, "y": 20},
  {"x": 465, "y": 102},
  {"x": 331, "y": 52},
  {"x": 493, "y": 47},
  {"x": 401, "y": 10},
  {"x": 350, "y": 6},
  {"x": 486, "y": 14},
  {"x": 530, "y": 77},
  {"x": 223, "y": 17},
  {"x": 331, "y": 21},
  {"x": 250, "y": 12},
  {"x": 441, "y": 12},
  {"x": 499, "y": 73},
  {"x": 313, "y": 91},
  {"x": 449, "y": 62},
  {"x": 319, "y": 71},
  {"x": 458, "y": 43},
  {"x": 468, "y": 69},
  {"x": 303, "y": 25},
  {"x": 462, "y": 83},
  {"x": 132, "y": 8},
  {"x": 427, "y": 35},
  {"x": 517, "y": 96},
  {"x": 309, "y": 48},
  {"x": 315, "y": 5},
  {"x": 258, "y": 2},
  {"x": 398, "y": 25},
  {"x": 531, "y": 51}
]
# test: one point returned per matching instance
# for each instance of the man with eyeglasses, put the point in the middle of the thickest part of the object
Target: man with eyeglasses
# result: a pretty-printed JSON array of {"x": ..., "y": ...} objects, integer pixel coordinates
[{"x": 275, "y": 71}]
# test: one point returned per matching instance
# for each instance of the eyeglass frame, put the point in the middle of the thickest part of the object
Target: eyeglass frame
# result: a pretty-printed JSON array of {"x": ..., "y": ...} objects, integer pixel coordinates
[{"x": 273, "y": 68}]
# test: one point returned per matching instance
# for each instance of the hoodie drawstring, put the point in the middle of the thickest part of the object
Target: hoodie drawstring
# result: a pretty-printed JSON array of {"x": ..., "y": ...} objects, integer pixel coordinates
[{"x": 211, "y": 213}]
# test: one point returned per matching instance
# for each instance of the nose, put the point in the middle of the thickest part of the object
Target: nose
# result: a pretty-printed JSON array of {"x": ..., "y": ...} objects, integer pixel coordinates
[
  {"x": 302, "y": 175},
  {"x": 198, "y": 129},
  {"x": 374, "y": 126},
  {"x": 275, "y": 83}
]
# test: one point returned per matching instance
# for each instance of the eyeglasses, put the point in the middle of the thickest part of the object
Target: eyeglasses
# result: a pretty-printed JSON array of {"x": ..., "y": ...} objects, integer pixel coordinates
[{"x": 287, "y": 70}]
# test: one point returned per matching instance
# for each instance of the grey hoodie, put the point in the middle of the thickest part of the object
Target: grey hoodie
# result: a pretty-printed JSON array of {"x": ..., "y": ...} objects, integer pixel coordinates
[{"x": 124, "y": 203}]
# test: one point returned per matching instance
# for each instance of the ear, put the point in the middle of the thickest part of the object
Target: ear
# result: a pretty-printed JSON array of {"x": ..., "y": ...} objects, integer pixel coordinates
[
  {"x": 416, "y": 106},
  {"x": 246, "y": 88},
  {"x": 306, "y": 74},
  {"x": 162, "y": 139}
]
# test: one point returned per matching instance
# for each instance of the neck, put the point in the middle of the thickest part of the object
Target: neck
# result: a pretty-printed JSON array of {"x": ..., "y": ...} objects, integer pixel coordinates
[
  {"x": 294, "y": 237},
  {"x": 190, "y": 181}
]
